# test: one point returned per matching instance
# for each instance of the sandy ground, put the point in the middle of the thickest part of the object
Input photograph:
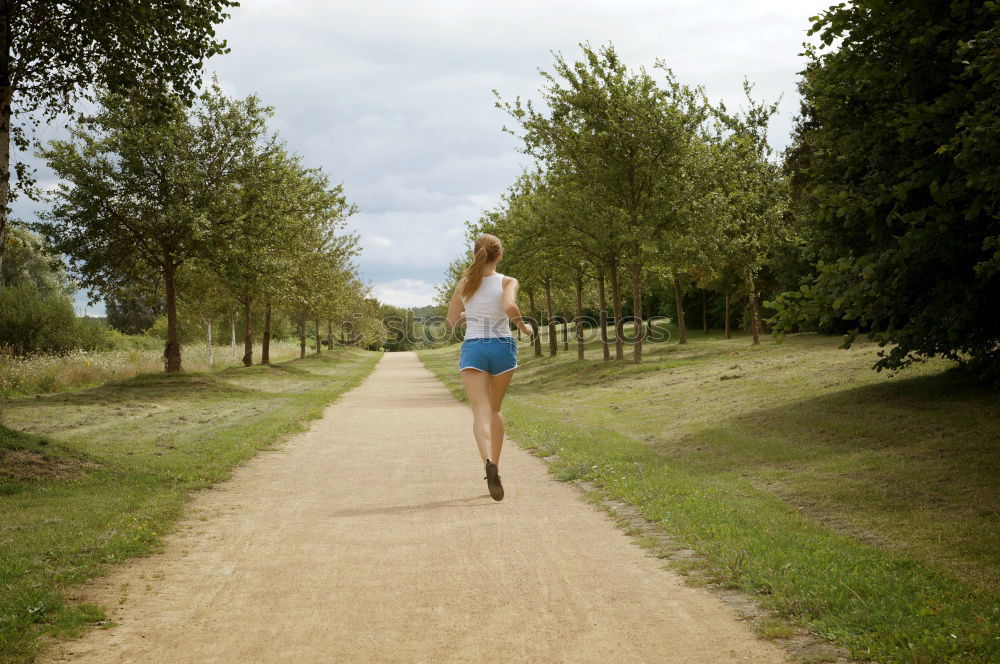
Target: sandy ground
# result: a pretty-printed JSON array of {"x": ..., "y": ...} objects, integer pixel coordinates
[{"x": 372, "y": 538}]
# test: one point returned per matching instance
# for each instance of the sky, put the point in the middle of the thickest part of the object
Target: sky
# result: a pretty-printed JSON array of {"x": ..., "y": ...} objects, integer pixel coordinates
[{"x": 395, "y": 99}]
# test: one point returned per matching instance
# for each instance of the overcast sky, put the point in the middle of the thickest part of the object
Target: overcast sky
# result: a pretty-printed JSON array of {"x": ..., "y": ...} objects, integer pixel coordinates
[{"x": 395, "y": 98}]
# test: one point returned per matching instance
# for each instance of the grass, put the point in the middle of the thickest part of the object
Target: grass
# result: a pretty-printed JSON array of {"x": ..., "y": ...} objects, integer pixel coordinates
[
  {"x": 93, "y": 477},
  {"x": 862, "y": 506},
  {"x": 44, "y": 374}
]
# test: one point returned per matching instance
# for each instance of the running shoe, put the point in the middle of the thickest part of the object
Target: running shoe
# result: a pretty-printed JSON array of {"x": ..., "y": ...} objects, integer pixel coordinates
[{"x": 493, "y": 481}]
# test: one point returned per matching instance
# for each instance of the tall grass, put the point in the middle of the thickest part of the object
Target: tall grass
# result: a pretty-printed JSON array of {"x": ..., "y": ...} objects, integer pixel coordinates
[{"x": 45, "y": 373}]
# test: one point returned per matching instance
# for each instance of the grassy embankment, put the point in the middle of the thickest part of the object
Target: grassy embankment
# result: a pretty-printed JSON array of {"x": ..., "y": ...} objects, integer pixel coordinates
[
  {"x": 90, "y": 478},
  {"x": 863, "y": 507},
  {"x": 43, "y": 374}
]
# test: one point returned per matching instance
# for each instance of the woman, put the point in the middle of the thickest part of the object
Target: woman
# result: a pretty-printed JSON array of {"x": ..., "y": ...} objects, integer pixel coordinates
[{"x": 486, "y": 302}]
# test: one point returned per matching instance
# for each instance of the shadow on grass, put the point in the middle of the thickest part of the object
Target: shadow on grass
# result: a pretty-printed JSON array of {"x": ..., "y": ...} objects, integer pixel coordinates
[
  {"x": 283, "y": 369},
  {"x": 909, "y": 464},
  {"x": 547, "y": 374},
  {"x": 944, "y": 416},
  {"x": 143, "y": 387}
]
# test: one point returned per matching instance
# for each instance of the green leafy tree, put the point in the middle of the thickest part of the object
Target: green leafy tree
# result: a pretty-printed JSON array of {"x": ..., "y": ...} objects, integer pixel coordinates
[
  {"x": 137, "y": 192},
  {"x": 755, "y": 199},
  {"x": 30, "y": 260},
  {"x": 253, "y": 237},
  {"x": 322, "y": 252},
  {"x": 133, "y": 310},
  {"x": 894, "y": 162},
  {"x": 52, "y": 53},
  {"x": 623, "y": 135}
]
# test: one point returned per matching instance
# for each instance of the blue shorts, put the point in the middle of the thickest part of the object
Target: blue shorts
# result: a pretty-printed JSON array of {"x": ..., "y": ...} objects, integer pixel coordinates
[{"x": 494, "y": 355}]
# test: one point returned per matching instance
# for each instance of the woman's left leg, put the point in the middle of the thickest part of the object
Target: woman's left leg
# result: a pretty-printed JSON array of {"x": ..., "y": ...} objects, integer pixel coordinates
[
  {"x": 477, "y": 387},
  {"x": 498, "y": 387}
]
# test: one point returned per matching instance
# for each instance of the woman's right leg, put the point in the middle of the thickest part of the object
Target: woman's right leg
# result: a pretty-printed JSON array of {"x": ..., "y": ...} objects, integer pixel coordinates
[
  {"x": 498, "y": 387},
  {"x": 477, "y": 387}
]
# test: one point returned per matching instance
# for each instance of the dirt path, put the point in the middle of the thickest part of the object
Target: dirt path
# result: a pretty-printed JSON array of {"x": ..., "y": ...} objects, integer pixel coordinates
[{"x": 372, "y": 538}]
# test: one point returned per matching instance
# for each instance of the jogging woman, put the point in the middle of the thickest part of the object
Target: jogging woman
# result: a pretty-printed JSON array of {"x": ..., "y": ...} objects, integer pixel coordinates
[{"x": 486, "y": 302}]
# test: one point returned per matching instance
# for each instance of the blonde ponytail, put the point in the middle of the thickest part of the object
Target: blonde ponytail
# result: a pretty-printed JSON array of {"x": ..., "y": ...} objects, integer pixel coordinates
[{"x": 486, "y": 251}]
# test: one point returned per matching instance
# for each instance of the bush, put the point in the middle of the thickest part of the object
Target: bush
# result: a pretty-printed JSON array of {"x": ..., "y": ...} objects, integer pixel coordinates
[{"x": 32, "y": 322}]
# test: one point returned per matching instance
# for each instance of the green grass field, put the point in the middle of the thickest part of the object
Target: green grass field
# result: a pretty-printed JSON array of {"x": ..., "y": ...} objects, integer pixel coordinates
[
  {"x": 90, "y": 478},
  {"x": 862, "y": 506}
]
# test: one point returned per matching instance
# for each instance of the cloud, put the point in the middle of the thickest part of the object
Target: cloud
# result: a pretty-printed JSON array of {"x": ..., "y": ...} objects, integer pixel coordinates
[
  {"x": 395, "y": 98},
  {"x": 405, "y": 292}
]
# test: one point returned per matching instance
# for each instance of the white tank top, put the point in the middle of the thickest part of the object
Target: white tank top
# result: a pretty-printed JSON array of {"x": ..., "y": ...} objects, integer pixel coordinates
[{"x": 484, "y": 314}]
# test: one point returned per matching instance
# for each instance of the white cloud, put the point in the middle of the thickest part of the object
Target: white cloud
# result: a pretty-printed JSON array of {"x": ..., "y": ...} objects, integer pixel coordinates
[
  {"x": 405, "y": 292},
  {"x": 395, "y": 98}
]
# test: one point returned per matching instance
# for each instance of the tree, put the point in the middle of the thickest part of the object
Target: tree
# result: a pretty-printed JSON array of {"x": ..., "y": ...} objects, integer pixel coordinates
[
  {"x": 321, "y": 251},
  {"x": 203, "y": 294},
  {"x": 133, "y": 310},
  {"x": 895, "y": 158},
  {"x": 624, "y": 136},
  {"x": 253, "y": 239},
  {"x": 138, "y": 188},
  {"x": 31, "y": 260},
  {"x": 51, "y": 53},
  {"x": 755, "y": 199}
]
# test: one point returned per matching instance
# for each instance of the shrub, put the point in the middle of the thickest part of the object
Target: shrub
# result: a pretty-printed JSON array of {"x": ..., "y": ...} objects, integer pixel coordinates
[{"x": 31, "y": 321}]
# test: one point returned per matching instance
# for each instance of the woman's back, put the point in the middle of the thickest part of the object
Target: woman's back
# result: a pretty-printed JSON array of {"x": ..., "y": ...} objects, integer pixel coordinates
[{"x": 484, "y": 314}]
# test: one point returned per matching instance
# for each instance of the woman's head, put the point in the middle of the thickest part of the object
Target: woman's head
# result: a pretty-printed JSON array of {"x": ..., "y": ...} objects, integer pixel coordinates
[{"x": 487, "y": 251}]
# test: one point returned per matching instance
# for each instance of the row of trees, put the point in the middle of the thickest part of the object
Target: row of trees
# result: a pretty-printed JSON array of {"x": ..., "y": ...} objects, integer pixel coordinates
[
  {"x": 881, "y": 218},
  {"x": 200, "y": 206},
  {"x": 639, "y": 182}
]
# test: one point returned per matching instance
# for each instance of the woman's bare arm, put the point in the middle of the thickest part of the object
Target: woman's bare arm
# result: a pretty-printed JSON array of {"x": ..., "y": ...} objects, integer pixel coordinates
[
  {"x": 456, "y": 310},
  {"x": 510, "y": 307}
]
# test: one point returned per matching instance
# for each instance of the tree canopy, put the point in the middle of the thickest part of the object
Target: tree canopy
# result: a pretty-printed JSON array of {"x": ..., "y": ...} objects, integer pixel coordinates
[
  {"x": 895, "y": 175},
  {"x": 53, "y": 53}
]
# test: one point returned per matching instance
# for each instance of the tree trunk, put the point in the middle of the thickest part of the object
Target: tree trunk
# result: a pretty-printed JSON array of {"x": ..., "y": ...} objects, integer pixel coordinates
[
  {"x": 755, "y": 324},
  {"x": 579, "y": 317},
  {"x": 537, "y": 337},
  {"x": 679, "y": 304},
  {"x": 729, "y": 332},
  {"x": 172, "y": 351},
  {"x": 302, "y": 340},
  {"x": 704, "y": 310},
  {"x": 616, "y": 302},
  {"x": 265, "y": 342},
  {"x": 647, "y": 309},
  {"x": 319, "y": 346},
  {"x": 247, "y": 335},
  {"x": 208, "y": 327},
  {"x": 565, "y": 332},
  {"x": 6, "y": 96},
  {"x": 640, "y": 330},
  {"x": 603, "y": 315},
  {"x": 553, "y": 339},
  {"x": 232, "y": 336},
  {"x": 329, "y": 334}
]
